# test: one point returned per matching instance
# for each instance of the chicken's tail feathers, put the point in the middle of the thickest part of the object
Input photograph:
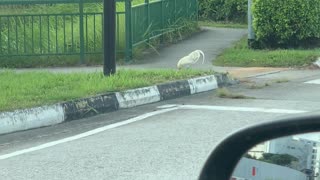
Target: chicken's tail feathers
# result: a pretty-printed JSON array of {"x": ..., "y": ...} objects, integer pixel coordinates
[
  {"x": 179, "y": 65},
  {"x": 203, "y": 56}
]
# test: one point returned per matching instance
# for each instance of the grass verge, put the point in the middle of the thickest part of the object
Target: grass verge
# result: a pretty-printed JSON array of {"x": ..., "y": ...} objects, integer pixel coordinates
[
  {"x": 241, "y": 56},
  {"x": 23, "y": 90},
  {"x": 223, "y": 24}
]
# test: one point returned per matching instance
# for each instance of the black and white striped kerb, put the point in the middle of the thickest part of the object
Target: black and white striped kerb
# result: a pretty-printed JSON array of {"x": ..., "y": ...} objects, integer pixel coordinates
[
  {"x": 90, "y": 106},
  {"x": 174, "y": 90},
  {"x": 72, "y": 110}
]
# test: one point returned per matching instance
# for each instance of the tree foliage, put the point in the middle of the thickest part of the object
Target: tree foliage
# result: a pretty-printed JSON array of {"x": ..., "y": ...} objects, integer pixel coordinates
[
  {"x": 224, "y": 10},
  {"x": 249, "y": 156},
  {"x": 279, "y": 159}
]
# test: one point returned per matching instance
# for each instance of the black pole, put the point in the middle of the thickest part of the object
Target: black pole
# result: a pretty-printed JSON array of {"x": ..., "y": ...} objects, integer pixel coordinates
[
  {"x": 251, "y": 35},
  {"x": 109, "y": 37}
]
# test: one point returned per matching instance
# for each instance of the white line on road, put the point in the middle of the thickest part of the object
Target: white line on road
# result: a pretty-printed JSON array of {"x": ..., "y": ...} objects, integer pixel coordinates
[
  {"x": 233, "y": 108},
  {"x": 86, "y": 134},
  {"x": 166, "y": 108},
  {"x": 242, "y": 109},
  {"x": 317, "y": 81}
]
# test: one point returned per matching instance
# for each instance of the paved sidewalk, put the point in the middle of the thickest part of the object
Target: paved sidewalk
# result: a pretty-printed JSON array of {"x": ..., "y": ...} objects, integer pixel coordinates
[{"x": 212, "y": 41}]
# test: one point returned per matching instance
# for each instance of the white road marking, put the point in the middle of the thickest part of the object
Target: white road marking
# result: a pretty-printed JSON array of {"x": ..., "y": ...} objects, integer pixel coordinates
[
  {"x": 241, "y": 109},
  {"x": 86, "y": 134},
  {"x": 317, "y": 81},
  {"x": 167, "y": 107}
]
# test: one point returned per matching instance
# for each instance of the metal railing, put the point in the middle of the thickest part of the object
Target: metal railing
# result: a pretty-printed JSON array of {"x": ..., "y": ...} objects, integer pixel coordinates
[
  {"x": 152, "y": 19},
  {"x": 26, "y": 32}
]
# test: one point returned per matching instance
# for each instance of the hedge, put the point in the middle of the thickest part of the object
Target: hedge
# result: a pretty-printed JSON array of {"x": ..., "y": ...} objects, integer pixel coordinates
[{"x": 286, "y": 23}]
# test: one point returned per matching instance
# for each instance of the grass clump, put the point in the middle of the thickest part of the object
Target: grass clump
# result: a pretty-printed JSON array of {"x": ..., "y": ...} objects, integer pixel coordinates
[
  {"x": 283, "y": 80},
  {"x": 223, "y": 24},
  {"x": 241, "y": 56},
  {"x": 254, "y": 85},
  {"x": 258, "y": 86},
  {"x": 225, "y": 93},
  {"x": 23, "y": 90}
]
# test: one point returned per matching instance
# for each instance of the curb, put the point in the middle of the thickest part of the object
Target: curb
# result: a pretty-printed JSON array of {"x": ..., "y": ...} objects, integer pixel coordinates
[{"x": 20, "y": 120}]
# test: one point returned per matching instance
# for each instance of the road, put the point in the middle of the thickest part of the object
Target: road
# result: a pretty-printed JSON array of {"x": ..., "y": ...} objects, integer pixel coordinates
[{"x": 166, "y": 140}]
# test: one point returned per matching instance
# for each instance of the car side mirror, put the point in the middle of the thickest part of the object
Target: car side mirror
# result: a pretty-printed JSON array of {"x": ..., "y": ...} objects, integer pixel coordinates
[{"x": 223, "y": 160}]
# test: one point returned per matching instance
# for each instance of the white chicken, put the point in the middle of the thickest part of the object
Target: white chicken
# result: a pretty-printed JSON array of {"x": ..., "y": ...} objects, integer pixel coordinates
[{"x": 192, "y": 58}]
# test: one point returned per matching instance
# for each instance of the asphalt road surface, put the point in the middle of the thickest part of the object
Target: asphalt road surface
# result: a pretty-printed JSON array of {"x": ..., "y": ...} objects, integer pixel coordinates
[{"x": 166, "y": 140}]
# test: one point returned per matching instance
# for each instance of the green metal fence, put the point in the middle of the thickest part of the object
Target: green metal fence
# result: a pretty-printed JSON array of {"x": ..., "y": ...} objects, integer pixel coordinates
[
  {"x": 153, "y": 19},
  {"x": 75, "y": 27}
]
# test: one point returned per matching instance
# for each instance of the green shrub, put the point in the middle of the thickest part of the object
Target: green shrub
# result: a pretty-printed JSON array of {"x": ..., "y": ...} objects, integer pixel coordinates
[
  {"x": 286, "y": 23},
  {"x": 224, "y": 10}
]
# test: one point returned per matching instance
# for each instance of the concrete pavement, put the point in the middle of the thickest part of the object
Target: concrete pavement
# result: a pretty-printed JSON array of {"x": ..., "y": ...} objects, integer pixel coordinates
[{"x": 212, "y": 41}]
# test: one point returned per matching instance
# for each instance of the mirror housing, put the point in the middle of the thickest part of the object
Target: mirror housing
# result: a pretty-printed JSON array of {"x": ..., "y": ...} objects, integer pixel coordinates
[{"x": 224, "y": 158}]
